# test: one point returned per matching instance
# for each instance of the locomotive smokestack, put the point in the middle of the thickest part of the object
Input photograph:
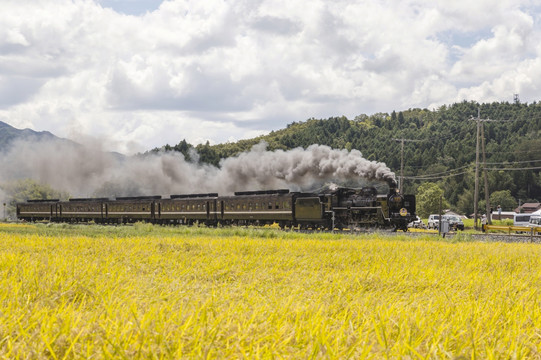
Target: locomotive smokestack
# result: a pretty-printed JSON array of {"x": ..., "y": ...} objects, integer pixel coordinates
[{"x": 392, "y": 184}]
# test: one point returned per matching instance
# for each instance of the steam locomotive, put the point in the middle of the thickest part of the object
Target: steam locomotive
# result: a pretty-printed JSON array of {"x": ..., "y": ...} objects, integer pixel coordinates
[{"x": 332, "y": 209}]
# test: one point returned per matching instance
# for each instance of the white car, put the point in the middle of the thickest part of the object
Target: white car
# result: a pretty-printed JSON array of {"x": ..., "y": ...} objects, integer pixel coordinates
[
  {"x": 417, "y": 223},
  {"x": 535, "y": 221},
  {"x": 434, "y": 221}
]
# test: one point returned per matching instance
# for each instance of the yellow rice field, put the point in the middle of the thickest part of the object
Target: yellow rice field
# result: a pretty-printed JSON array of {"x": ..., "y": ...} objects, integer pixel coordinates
[{"x": 174, "y": 293}]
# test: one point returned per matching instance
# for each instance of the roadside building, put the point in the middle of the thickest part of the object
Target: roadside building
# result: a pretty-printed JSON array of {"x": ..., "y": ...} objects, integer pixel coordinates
[
  {"x": 504, "y": 215},
  {"x": 528, "y": 208}
]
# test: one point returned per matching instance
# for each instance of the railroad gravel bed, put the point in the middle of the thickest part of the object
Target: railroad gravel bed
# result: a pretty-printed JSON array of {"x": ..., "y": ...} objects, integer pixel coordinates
[
  {"x": 461, "y": 236},
  {"x": 509, "y": 238}
]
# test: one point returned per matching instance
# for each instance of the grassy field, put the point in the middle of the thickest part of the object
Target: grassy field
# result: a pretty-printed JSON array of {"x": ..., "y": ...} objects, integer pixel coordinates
[{"x": 158, "y": 292}]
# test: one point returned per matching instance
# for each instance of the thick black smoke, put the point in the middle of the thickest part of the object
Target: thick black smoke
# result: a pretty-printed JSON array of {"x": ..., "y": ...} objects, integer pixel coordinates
[{"x": 86, "y": 171}]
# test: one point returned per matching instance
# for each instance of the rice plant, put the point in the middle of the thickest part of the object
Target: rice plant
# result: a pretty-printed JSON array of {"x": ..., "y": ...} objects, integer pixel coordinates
[{"x": 169, "y": 293}]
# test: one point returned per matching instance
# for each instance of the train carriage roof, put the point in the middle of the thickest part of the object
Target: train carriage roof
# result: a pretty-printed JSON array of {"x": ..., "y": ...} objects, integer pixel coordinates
[
  {"x": 263, "y": 192},
  {"x": 193, "y": 196},
  {"x": 88, "y": 199},
  {"x": 130, "y": 198}
]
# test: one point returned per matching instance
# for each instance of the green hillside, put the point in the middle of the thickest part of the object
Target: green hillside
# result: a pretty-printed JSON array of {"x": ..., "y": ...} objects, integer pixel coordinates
[{"x": 439, "y": 146}]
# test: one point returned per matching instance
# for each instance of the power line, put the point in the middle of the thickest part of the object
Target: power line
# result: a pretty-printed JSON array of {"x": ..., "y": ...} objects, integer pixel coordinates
[
  {"x": 514, "y": 152},
  {"x": 512, "y": 162},
  {"x": 443, "y": 172},
  {"x": 434, "y": 177},
  {"x": 513, "y": 169}
]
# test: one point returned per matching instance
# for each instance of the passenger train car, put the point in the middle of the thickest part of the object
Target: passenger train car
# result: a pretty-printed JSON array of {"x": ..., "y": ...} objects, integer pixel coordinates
[{"x": 337, "y": 209}]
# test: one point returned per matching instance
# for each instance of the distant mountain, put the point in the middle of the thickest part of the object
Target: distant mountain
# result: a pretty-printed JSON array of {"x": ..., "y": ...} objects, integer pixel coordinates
[{"x": 8, "y": 134}]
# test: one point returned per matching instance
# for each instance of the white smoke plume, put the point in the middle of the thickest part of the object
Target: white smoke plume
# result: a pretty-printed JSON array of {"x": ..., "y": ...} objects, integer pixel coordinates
[{"x": 87, "y": 171}]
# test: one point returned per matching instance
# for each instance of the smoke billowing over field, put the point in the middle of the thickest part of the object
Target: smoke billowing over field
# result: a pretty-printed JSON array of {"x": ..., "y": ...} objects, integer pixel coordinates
[{"x": 86, "y": 171}]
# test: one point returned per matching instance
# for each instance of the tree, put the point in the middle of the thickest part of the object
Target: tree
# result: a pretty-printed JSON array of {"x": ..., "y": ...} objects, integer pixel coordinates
[
  {"x": 504, "y": 199},
  {"x": 28, "y": 189},
  {"x": 428, "y": 199},
  {"x": 465, "y": 202},
  {"x": 207, "y": 154}
]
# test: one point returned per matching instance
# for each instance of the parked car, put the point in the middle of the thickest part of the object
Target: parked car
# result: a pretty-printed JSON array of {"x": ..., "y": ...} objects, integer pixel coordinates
[
  {"x": 455, "y": 222},
  {"x": 535, "y": 221},
  {"x": 434, "y": 221},
  {"x": 417, "y": 223},
  {"x": 521, "y": 219}
]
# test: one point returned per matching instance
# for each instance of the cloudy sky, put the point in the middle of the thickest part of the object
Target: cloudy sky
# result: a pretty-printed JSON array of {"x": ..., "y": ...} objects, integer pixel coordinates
[{"x": 142, "y": 73}]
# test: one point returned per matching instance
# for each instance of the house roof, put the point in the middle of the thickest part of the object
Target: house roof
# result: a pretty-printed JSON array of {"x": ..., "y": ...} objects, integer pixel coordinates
[{"x": 529, "y": 207}]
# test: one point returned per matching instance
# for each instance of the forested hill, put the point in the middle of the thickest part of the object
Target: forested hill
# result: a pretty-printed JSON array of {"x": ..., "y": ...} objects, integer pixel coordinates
[{"x": 439, "y": 146}]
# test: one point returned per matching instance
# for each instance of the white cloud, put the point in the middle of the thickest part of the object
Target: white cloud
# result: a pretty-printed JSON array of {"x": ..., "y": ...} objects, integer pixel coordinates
[{"x": 140, "y": 76}]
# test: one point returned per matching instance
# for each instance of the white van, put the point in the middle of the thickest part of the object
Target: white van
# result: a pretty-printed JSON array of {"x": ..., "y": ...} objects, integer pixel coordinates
[
  {"x": 521, "y": 219},
  {"x": 535, "y": 221}
]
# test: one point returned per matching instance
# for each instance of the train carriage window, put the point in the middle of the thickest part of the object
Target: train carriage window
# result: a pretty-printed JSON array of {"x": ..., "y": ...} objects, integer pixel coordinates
[
  {"x": 286, "y": 205},
  {"x": 250, "y": 206},
  {"x": 277, "y": 205},
  {"x": 257, "y": 206},
  {"x": 204, "y": 206},
  {"x": 270, "y": 205}
]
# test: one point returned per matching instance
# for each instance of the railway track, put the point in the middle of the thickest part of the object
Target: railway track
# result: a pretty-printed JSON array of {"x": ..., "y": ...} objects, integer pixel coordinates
[{"x": 485, "y": 237}]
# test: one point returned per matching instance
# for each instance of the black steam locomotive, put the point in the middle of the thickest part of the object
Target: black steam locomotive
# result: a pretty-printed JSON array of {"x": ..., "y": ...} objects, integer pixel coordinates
[{"x": 336, "y": 209}]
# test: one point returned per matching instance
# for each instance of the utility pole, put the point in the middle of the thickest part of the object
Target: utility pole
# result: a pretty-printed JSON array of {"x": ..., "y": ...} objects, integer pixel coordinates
[
  {"x": 476, "y": 194},
  {"x": 401, "y": 182},
  {"x": 476, "y": 191},
  {"x": 487, "y": 198}
]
